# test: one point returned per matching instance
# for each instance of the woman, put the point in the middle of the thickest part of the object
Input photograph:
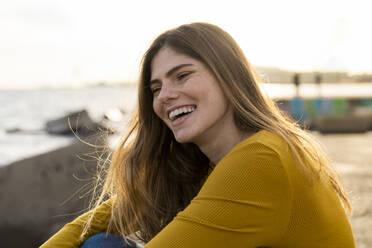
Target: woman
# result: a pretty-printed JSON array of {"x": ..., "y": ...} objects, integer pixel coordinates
[{"x": 211, "y": 162}]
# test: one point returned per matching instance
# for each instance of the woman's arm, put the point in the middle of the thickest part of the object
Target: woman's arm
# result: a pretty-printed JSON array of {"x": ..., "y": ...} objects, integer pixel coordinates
[{"x": 69, "y": 235}]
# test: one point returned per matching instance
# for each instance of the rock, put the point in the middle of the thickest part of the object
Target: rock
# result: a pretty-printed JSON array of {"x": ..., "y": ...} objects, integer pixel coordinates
[
  {"x": 41, "y": 193},
  {"x": 77, "y": 122},
  {"x": 13, "y": 130}
]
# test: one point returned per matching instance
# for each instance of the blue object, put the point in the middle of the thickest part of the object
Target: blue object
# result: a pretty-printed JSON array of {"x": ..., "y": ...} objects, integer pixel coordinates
[
  {"x": 297, "y": 109},
  {"x": 103, "y": 240},
  {"x": 324, "y": 106}
]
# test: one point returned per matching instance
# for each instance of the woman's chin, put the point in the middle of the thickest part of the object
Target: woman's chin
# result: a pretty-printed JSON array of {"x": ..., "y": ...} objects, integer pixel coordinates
[{"x": 182, "y": 138}]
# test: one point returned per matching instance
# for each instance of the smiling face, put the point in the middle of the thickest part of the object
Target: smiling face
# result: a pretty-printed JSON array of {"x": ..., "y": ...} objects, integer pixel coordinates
[{"x": 188, "y": 98}]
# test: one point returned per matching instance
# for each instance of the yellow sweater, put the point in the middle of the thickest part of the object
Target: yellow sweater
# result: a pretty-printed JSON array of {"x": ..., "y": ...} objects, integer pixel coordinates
[{"x": 254, "y": 197}]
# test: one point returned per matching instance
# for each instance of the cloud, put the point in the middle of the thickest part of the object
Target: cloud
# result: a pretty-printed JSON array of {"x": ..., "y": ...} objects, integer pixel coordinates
[{"x": 37, "y": 15}]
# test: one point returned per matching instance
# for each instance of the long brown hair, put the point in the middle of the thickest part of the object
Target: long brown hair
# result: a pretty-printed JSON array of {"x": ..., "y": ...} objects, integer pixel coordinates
[{"x": 152, "y": 177}]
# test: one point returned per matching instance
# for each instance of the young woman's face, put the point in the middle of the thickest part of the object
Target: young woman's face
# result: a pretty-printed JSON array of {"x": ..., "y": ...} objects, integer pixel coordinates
[{"x": 187, "y": 97}]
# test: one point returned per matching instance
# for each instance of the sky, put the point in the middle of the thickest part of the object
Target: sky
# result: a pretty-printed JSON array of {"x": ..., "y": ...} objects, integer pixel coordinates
[{"x": 74, "y": 42}]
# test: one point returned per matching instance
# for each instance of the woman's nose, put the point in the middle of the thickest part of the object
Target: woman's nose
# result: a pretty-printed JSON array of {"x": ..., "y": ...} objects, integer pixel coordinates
[{"x": 167, "y": 93}]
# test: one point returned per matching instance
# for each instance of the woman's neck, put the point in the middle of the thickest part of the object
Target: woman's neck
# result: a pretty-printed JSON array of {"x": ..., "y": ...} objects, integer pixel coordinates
[{"x": 219, "y": 146}]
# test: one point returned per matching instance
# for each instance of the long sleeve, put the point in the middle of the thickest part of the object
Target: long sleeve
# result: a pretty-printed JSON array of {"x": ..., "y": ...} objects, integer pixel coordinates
[
  {"x": 256, "y": 196},
  {"x": 245, "y": 202},
  {"x": 69, "y": 235}
]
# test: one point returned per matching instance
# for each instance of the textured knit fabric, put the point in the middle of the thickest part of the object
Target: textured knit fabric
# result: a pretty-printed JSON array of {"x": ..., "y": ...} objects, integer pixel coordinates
[
  {"x": 69, "y": 235},
  {"x": 256, "y": 197}
]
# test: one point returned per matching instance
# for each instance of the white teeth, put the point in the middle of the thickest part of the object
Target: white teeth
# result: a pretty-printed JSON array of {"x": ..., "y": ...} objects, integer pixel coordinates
[{"x": 174, "y": 113}]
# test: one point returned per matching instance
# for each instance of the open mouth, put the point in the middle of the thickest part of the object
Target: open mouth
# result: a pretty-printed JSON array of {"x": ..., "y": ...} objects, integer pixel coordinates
[{"x": 180, "y": 112}]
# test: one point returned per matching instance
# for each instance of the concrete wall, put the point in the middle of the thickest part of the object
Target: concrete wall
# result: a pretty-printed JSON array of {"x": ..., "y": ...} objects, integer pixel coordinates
[{"x": 40, "y": 194}]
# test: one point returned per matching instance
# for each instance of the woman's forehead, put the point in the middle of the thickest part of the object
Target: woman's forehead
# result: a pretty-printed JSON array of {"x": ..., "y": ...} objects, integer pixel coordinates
[{"x": 166, "y": 60}]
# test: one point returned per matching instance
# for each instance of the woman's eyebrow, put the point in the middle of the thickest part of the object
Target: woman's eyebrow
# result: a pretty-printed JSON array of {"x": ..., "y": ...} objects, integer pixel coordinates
[{"x": 170, "y": 72}]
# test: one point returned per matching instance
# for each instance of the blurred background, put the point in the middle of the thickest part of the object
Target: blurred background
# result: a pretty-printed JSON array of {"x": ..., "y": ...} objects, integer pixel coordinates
[{"x": 79, "y": 61}]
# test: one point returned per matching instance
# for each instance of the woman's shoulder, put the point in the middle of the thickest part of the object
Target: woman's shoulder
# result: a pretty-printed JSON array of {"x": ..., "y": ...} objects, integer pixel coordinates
[
  {"x": 262, "y": 141},
  {"x": 263, "y": 149}
]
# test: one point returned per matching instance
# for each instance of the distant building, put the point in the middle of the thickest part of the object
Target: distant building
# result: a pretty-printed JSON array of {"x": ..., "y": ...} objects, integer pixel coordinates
[
  {"x": 334, "y": 77},
  {"x": 362, "y": 77},
  {"x": 276, "y": 75}
]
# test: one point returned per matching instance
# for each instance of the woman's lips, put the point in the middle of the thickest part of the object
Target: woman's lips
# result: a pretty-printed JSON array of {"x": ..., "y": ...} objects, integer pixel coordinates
[{"x": 181, "y": 119}]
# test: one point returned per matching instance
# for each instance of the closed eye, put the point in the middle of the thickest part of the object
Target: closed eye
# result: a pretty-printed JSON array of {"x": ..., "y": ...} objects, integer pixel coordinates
[
  {"x": 183, "y": 75},
  {"x": 155, "y": 86},
  {"x": 155, "y": 89}
]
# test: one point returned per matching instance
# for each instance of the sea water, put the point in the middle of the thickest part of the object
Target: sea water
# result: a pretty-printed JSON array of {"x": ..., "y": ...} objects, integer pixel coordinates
[{"x": 29, "y": 110}]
